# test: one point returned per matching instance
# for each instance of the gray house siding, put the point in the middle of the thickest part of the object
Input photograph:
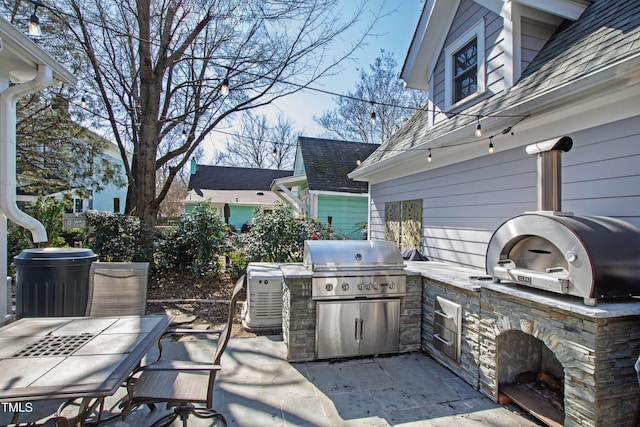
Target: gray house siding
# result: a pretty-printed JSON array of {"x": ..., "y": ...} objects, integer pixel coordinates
[
  {"x": 468, "y": 15},
  {"x": 534, "y": 35},
  {"x": 464, "y": 203}
]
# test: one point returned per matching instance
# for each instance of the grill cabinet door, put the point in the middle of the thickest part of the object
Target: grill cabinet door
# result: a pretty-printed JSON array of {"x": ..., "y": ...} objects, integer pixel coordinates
[
  {"x": 380, "y": 327},
  {"x": 354, "y": 328},
  {"x": 337, "y": 330}
]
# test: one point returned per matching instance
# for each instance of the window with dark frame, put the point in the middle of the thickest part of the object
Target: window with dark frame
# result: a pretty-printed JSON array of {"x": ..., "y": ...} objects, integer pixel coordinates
[
  {"x": 116, "y": 204},
  {"x": 465, "y": 78}
]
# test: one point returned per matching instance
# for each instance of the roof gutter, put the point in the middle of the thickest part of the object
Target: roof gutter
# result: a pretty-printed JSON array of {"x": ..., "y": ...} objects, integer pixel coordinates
[
  {"x": 280, "y": 186},
  {"x": 8, "y": 101}
]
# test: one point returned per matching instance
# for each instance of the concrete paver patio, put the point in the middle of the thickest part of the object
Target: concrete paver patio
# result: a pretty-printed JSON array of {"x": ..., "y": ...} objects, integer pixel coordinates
[{"x": 258, "y": 387}]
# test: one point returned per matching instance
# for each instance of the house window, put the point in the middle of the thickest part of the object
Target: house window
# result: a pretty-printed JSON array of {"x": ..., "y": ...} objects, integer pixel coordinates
[
  {"x": 116, "y": 204},
  {"x": 465, "y": 78},
  {"x": 464, "y": 67},
  {"x": 77, "y": 205}
]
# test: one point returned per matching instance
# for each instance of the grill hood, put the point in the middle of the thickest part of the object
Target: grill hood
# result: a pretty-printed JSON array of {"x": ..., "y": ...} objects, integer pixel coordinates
[{"x": 324, "y": 255}]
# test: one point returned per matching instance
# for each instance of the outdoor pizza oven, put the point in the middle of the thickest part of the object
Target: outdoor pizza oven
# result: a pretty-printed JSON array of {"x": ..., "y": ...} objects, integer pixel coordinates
[{"x": 586, "y": 256}]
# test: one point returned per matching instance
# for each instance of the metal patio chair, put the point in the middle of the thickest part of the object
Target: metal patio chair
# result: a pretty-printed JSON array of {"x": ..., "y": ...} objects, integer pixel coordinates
[
  {"x": 185, "y": 386},
  {"x": 117, "y": 289}
]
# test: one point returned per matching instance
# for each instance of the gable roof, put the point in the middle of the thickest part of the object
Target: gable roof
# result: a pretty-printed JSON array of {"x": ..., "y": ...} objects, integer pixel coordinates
[
  {"x": 580, "y": 56},
  {"x": 328, "y": 161},
  {"x": 233, "y": 178}
]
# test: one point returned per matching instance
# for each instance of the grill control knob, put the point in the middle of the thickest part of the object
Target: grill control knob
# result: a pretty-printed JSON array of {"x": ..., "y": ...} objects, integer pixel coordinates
[
  {"x": 368, "y": 286},
  {"x": 328, "y": 287},
  {"x": 375, "y": 285},
  {"x": 360, "y": 286},
  {"x": 391, "y": 284},
  {"x": 345, "y": 286}
]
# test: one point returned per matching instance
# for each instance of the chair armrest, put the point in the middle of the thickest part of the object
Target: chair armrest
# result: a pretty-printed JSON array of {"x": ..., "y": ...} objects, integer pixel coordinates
[
  {"x": 183, "y": 331},
  {"x": 178, "y": 365},
  {"x": 187, "y": 331}
]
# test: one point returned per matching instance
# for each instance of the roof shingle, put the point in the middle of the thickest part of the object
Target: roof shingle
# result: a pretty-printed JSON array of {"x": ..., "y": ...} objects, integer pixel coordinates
[
  {"x": 607, "y": 31},
  {"x": 327, "y": 163},
  {"x": 233, "y": 178}
]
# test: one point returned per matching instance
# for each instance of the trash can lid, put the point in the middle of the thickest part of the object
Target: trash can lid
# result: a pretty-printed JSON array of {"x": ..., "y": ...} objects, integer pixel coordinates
[{"x": 55, "y": 253}]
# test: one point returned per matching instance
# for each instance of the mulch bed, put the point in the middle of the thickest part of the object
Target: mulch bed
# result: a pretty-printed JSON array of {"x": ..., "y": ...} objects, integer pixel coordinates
[{"x": 195, "y": 302}]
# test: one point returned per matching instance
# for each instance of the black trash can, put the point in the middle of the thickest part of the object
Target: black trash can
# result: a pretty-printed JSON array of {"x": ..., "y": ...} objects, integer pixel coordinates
[{"x": 52, "y": 282}]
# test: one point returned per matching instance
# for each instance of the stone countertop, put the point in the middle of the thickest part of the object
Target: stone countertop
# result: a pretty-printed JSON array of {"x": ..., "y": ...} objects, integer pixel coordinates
[
  {"x": 603, "y": 310},
  {"x": 294, "y": 270},
  {"x": 455, "y": 275},
  {"x": 476, "y": 279}
]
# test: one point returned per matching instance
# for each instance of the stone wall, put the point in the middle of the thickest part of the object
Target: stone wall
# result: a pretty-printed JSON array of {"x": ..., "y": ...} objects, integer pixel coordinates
[
  {"x": 299, "y": 319},
  {"x": 467, "y": 369},
  {"x": 595, "y": 346},
  {"x": 411, "y": 315},
  {"x": 597, "y": 353}
]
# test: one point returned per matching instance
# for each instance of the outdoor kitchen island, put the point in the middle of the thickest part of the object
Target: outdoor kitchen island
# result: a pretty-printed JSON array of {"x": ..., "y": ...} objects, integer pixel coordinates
[
  {"x": 351, "y": 312},
  {"x": 504, "y": 337}
]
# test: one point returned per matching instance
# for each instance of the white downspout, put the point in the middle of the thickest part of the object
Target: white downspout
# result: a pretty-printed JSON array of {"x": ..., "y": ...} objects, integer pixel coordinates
[{"x": 8, "y": 100}]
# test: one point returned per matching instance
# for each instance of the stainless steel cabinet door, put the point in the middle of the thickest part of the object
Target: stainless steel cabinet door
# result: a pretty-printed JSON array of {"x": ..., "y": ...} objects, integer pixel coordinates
[
  {"x": 353, "y": 328},
  {"x": 337, "y": 329},
  {"x": 380, "y": 328}
]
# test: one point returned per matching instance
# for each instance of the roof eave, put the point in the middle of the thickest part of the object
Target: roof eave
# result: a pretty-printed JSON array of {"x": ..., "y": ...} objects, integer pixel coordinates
[
  {"x": 436, "y": 18},
  {"x": 622, "y": 72},
  {"x": 31, "y": 54}
]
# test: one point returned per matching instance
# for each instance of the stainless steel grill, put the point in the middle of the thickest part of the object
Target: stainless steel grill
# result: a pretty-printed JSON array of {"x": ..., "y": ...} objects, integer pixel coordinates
[
  {"x": 587, "y": 256},
  {"x": 354, "y": 268},
  {"x": 357, "y": 287}
]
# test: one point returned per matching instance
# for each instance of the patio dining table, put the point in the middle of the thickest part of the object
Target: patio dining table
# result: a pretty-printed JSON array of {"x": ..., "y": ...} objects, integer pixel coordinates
[{"x": 84, "y": 358}]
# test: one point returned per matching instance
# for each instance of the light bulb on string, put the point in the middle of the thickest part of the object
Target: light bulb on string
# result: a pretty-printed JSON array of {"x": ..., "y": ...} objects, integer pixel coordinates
[
  {"x": 490, "y": 145},
  {"x": 478, "y": 129},
  {"x": 34, "y": 22},
  {"x": 275, "y": 153},
  {"x": 373, "y": 114},
  {"x": 184, "y": 134},
  {"x": 224, "y": 88},
  {"x": 429, "y": 157}
]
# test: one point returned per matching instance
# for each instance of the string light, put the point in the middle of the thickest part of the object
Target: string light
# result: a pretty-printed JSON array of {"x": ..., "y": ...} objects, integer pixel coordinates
[
  {"x": 373, "y": 114},
  {"x": 478, "y": 128},
  {"x": 429, "y": 158},
  {"x": 275, "y": 153},
  {"x": 184, "y": 134},
  {"x": 491, "y": 144},
  {"x": 34, "y": 21},
  {"x": 224, "y": 88},
  {"x": 83, "y": 101}
]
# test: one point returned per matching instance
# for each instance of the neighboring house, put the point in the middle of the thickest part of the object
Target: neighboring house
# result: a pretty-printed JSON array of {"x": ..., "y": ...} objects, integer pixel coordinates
[
  {"x": 525, "y": 72},
  {"x": 84, "y": 197},
  {"x": 240, "y": 190},
  {"x": 320, "y": 187}
]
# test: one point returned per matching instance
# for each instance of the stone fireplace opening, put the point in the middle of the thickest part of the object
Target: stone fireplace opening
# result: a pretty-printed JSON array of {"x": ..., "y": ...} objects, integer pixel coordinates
[{"x": 530, "y": 375}]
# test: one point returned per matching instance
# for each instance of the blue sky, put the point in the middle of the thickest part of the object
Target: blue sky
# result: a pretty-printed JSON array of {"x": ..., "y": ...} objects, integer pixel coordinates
[{"x": 393, "y": 33}]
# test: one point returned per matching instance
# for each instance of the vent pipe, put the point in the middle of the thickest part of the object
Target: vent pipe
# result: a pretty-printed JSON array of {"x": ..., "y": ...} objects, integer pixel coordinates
[{"x": 549, "y": 186}]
